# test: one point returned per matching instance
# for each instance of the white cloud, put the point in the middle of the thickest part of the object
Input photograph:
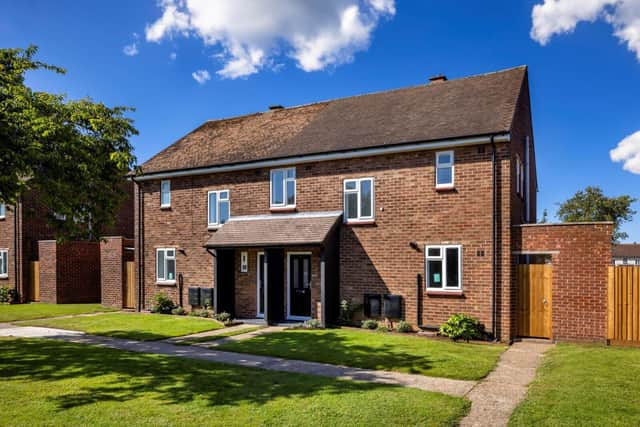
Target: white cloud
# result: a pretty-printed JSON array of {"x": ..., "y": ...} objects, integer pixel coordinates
[
  {"x": 628, "y": 151},
  {"x": 173, "y": 56},
  {"x": 201, "y": 76},
  {"x": 252, "y": 33},
  {"x": 561, "y": 17},
  {"x": 132, "y": 49}
]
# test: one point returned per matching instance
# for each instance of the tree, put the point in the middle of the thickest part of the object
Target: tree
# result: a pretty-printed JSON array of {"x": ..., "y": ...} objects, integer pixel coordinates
[
  {"x": 73, "y": 154},
  {"x": 591, "y": 204}
]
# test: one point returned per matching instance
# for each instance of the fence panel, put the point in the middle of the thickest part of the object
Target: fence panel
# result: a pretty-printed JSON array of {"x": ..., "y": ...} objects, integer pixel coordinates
[{"x": 624, "y": 305}]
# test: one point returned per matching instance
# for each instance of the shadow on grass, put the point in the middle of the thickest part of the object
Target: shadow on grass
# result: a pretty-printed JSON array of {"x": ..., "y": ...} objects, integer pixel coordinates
[{"x": 103, "y": 374}]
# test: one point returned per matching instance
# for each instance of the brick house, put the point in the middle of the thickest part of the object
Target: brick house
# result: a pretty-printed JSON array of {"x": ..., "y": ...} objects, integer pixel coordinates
[
  {"x": 408, "y": 201},
  {"x": 626, "y": 254},
  {"x": 39, "y": 268}
]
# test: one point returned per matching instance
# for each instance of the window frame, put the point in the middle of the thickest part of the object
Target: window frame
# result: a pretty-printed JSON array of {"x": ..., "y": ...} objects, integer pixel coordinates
[
  {"x": 164, "y": 280},
  {"x": 451, "y": 164},
  {"x": 285, "y": 195},
  {"x": 228, "y": 200},
  {"x": 4, "y": 253},
  {"x": 3, "y": 210},
  {"x": 443, "y": 259},
  {"x": 345, "y": 191},
  {"x": 165, "y": 205}
]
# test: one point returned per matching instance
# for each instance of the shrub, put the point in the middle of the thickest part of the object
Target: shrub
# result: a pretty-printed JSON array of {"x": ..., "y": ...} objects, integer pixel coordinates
[
  {"x": 163, "y": 305},
  {"x": 5, "y": 294},
  {"x": 223, "y": 317},
  {"x": 404, "y": 327},
  {"x": 382, "y": 328},
  {"x": 312, "y": 324},
  {"x": 461, "y": 326},
  {"x": 369, "y": 324},
  {"x": 179, "y": 311}
]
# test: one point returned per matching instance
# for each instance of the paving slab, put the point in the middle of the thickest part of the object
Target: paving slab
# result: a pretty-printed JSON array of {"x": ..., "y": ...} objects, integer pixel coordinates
[
  {"x": 240, "y": 337},
  {"x": 207, "y": 333},
  {"x": 494, "y": 398}
]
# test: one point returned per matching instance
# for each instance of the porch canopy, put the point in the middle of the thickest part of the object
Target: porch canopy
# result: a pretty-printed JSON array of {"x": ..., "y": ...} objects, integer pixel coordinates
[{"x": 303, "y": 229}]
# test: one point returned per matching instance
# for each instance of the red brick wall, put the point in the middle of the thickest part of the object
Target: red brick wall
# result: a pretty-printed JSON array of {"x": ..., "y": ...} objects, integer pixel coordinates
[
  {"x": 112, "y": 273},
  {"x": 47, "y": 250},
  {"x": 7, "y": 242},
  {"x": 582, "y": 254}
]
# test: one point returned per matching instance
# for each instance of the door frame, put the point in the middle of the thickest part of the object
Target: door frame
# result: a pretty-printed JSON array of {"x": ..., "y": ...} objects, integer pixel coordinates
[
  {"x": 289, "y": 316},
  {"x": 549, "y": 303},
  {"x": 264, "y": 275}
]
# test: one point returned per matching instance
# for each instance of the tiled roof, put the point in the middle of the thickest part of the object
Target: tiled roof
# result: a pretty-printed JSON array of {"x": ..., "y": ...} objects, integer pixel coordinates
[
  {"x": 477, "y": 105},
  {"x": 630, "y": 250},
  {"x": 263, "y": 231}
]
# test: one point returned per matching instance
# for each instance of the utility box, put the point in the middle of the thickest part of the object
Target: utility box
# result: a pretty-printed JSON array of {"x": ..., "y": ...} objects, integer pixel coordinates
[
  {"x": 372, "y": 305},
  {"x": 392, "y": 306},
  {"x": 206, "y": 297},
  {"x": 194, "y": 297}
]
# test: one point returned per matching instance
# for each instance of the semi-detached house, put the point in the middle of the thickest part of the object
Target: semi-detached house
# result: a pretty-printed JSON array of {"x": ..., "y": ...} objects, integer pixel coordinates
[{"x": 402, "y": 199}]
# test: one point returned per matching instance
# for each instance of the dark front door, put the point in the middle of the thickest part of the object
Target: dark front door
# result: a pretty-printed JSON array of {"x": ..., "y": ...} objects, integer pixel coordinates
[
  {"x": 260, "y": 290},
  {"x": 225, "y": 276},
  {"x": 275, "y": 285},
  {"x": 300, "y": 285}
]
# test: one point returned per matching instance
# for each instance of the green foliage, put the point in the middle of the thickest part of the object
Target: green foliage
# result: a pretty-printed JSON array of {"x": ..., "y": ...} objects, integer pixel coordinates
[
  {"x": 5, "y": 294},
  {"x": 72, "y": 154},
  {"x": 223, "y": 317},
  {"x": 313, "y": 324},
  {"x": 347, "y": 310},
  {"x": 202, "y": 313},
  {"x": 591, "y": 204},
  {"x": 179, "y": 311},
  {"x": 404, "y": 327},
  {"x": 461, "y": 326},
  {"x": 163, "y": 305},
  {"x": 382, "y": 328},
  {"x": 369, "y": 324}
]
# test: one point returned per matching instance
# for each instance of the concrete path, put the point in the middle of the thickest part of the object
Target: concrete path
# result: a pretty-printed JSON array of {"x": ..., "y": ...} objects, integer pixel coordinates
[
  {"x": 494, "y": 398},
  {"x": 263, "y": 331},
  {"x": 440, "y": 385},
  {"x": 207, "y": 333}
]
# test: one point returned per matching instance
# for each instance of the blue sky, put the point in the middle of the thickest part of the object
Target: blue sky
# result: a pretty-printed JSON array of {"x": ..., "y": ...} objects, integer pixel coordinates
[{"x": 585, "y": 85}]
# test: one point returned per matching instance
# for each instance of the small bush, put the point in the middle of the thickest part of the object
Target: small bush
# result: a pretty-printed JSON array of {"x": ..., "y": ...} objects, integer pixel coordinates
[
  {"x": 382, "y": 328},
  {"x": 178, "y": 311},
  {"x": 312, "y": 324},
  {"x": 223, "y": 317},
  {"x": 461, "y": 326},
  {"x": 163, "y": 305},
  {"x": 404, "y": 327},
  {"x": 5, "y": 294},
  {"x": 369, "y": 324}
]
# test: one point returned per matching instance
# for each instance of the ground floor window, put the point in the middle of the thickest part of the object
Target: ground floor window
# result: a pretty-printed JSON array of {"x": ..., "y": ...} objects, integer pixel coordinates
[
  {"x": 4, "y": 263},
  {"x": 166, "y": 265},
  {"x": 444, "y": 267}
]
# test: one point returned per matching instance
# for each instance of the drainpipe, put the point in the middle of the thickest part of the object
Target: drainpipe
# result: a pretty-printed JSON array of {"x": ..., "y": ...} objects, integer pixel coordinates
[
  {"x": 140, "y": 249},
  {"x": 494, "y": 237},
  {"x": 15, "y": 249}
]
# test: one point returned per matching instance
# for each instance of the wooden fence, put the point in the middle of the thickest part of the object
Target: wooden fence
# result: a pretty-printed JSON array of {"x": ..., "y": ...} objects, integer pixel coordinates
[
  {"x": 34, "y": 281},
  {"x": 624, "y": 305},
  {"x": 129, "y": 286}
]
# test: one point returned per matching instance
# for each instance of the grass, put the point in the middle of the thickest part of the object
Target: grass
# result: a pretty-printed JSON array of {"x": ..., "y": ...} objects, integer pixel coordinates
[
  {"x": 143, "y": 327},
  {"x": 13, "y": 312},
  {"x": 584, "y": 385},
  {"x": 375, "y": 350},
  {"x": 73, "y": 384},
  {"x": 219, "y": 336}
]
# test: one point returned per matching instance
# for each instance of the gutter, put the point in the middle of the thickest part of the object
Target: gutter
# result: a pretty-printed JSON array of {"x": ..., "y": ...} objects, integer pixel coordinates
[{"x": 352, "y": 154}]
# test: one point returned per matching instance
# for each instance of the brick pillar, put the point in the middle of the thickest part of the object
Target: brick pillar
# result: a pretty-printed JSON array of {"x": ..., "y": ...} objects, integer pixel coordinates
[
  {"x": 47, "y": 254},
  {"x": 111, "y": 271}
]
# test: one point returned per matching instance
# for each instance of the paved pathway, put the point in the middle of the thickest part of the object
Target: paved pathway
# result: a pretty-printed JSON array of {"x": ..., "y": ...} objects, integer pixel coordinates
[
  {"x": 206, "y": 333},
  {"x": 440, "y": 385},
  {"x": 495, "y": 397}
]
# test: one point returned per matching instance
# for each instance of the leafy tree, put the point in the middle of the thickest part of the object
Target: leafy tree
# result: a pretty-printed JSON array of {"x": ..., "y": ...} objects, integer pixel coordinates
[
  {"x": 591, "y": 204},
  {"x": 72, "y": 154}
]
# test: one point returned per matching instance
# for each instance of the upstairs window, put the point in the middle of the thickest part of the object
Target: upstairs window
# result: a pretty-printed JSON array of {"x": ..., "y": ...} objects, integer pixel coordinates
[
  {"x": 165, "y": 194},
  {"x": 166, "y": 265},
  {"x": 218, "y": 207},
  {"x": 444, "y": 169},
  {"x": 444, "y": 267},
  {"x": 283, "y": 188},
  {"x": 4, "y": 263},
  {"x": 3, "y": 210},
  {"x": 358, "y": 199}
]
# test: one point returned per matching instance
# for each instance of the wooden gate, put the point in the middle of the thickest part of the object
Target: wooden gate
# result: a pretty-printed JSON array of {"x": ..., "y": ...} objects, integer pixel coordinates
[
  {"x": 129, "y": 300},
  {"x": 34, "y": 281},
  {"x": 534, "y": 303},
  {"x": 624, "y": 305}
]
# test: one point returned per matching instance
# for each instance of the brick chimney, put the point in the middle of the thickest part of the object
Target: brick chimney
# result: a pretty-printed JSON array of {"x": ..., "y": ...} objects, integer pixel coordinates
[{"x": 439, "y": 78}]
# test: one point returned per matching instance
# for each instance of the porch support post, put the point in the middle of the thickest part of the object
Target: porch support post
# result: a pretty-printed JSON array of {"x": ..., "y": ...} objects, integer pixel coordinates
[
  {"x": 215, "y": 281},
  {"x": 323, "y": 309},
  {"x": 265, "y": 273}
]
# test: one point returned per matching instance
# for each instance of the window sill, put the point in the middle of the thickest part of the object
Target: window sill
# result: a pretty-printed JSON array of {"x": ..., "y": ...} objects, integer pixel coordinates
[
  {"x": 283, "y": 209},
  {"x": 214, "y": 227},
  {"x": 166, "y": 283},
  {"x": 2, "y": 218},
  {"x": 361, "y": 222},
  {"x": 165, "y": 208},
  {"x": 445, "y": 293},
  {"x": 4, "y": 276},
  {"x": 446, "y": 188}
]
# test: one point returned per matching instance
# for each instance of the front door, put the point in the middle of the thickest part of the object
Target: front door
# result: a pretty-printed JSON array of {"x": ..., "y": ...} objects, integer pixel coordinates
[
  {"x": 260, "y": 285},
  {"x": 299, "y": 286},
  {"x": 226, "y": 280},
  {"x": 534, "y": 300}
]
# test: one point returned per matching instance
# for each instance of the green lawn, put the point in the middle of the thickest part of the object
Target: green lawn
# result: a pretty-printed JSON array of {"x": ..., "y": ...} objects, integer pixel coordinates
[
  {"x": 375, "y": 350},
  {"x": 47, "y": 382},
  {"x": 10, "y": 313},
  {"x": 584, "y": 385},
  {"x": 144, "y": 327}
]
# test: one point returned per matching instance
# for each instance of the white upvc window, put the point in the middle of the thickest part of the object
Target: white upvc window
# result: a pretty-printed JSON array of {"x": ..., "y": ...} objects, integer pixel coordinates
[
  {"x": 3, "y": 210},
  {"x": 166, "y": 265},
  {"x": 359, "y": 199},
  {"x": 4, "y": 263},
  {"x": 444, "y": 267},
  {"x": 444, "y": 169},
  {"x": 165, "y": 194},
  {"x": 218, "y": 207},
  {"x": 283, "y": 188}
]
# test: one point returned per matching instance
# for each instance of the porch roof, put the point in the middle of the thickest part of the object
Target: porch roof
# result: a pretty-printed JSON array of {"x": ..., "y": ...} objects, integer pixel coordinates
[{"x": 302, "y": 229}]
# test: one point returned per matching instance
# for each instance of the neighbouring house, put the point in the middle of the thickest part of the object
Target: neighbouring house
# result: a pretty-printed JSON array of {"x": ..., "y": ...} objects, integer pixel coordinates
[
  {"x": 41, "y": 269},
  {"x": 416, "y": 203},
  {"x": 626, "y": 254}
]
